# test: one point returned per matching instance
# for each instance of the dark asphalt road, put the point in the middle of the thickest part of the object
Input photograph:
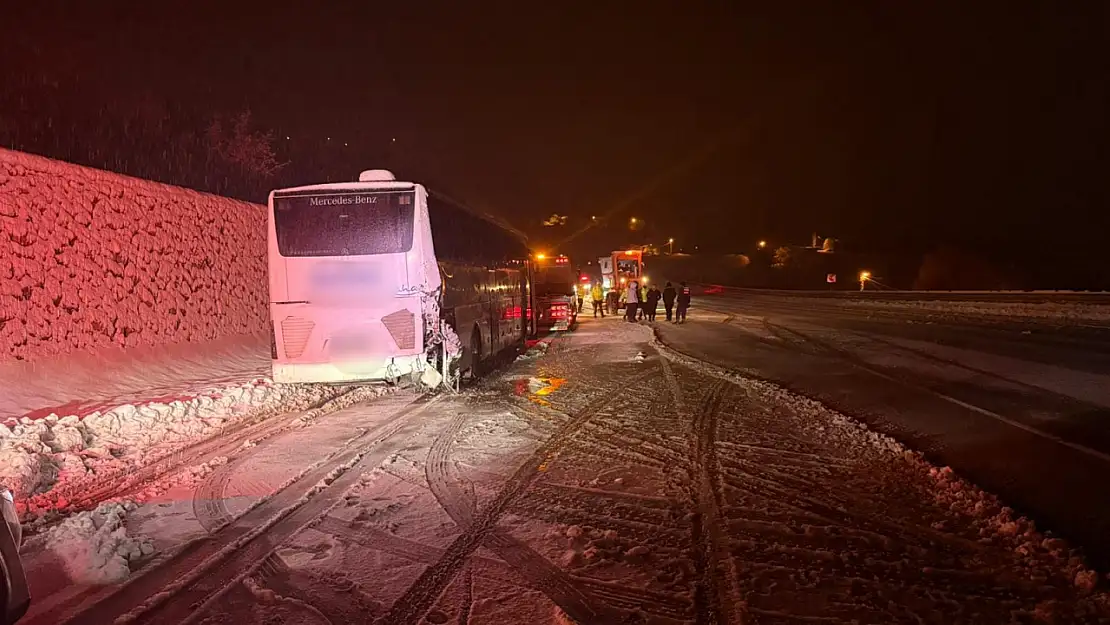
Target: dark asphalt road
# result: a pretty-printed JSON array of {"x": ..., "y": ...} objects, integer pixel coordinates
[{"x": 1020, "y": 408}]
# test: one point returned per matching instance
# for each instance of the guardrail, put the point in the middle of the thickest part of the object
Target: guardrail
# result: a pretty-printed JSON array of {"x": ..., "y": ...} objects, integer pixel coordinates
[{"x": 1023, "y": 297}]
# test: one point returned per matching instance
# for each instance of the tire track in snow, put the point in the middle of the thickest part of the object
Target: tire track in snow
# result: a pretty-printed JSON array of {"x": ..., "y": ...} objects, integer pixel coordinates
[
  {"x": 615, "y": 594},
  {"x": 422, "y": 594},
  {"x": 227, "y": 442},
  {"x": 537, "y": 570},
  {"x": 190, "y": 581},
  {"x": 713, "y": 602},
  {"x": 209, "y": 506},
  {"x": 209, "y": 498}
]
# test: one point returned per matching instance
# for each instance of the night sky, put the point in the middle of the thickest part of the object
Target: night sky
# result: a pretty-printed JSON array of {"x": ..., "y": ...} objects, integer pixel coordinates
[{"x": 895, "y": 128}]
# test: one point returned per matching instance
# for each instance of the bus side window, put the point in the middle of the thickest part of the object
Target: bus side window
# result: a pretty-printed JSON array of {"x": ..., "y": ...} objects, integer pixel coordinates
[{"x": 460, "y": 235}]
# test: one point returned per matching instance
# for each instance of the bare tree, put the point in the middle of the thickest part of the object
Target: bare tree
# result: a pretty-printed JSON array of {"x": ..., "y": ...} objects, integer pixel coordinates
[{"x": 251, "y": 151}]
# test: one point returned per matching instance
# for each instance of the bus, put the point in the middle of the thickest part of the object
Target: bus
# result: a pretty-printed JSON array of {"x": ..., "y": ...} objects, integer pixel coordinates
[
  {"x": 379, "y": 279},
  {"x": 554, "y": 283}
]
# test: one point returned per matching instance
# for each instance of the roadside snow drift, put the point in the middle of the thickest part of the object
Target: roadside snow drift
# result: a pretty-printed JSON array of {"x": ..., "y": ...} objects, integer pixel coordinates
[
  {"x": 1060, "y": 312},
  {"x": 48, "y": 462}
]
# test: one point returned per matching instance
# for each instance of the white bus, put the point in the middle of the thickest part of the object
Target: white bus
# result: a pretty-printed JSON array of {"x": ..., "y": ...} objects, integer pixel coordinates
[{"x": 379, "y": 279}]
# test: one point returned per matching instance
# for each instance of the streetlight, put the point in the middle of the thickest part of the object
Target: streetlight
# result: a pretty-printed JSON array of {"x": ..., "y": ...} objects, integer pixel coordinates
[
  {"x": 864, "y": 276},
  {"x": 670, "y": 245},
  {"x": 762, "y": 244}
]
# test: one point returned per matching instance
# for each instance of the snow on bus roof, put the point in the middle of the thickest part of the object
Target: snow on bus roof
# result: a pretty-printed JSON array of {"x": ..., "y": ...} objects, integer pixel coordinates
[{"x": 345, "y": 186}]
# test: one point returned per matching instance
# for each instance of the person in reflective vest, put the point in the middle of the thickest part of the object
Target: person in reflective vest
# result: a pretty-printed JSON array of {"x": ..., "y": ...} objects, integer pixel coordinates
[{"x": 597, "y": 297}]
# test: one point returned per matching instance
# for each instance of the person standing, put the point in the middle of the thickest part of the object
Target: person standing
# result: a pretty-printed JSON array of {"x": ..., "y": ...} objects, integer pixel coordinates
[
  {"x": 613, "y": 297},
  {"x": 683, "y": 303},
  {"x": 597, "y": 296},
  {"x": 651, "y": 302},
  {"x": 669, "y": 295},
  {"x": 581, "y": 293},
  {"x": 632, "y": 302}
]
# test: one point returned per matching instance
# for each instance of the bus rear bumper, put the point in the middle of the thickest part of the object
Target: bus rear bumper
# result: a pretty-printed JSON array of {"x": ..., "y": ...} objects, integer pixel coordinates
[{"x": 370, "y": 370}]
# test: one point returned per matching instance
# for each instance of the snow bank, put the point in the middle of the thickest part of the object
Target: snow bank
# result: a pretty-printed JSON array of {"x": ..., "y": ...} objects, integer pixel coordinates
[
  {"x": 1064, "y": 312},
  {"x": 79, "y": 383},
  {"x": 91, "y": 259},
  {"x": 49, "y": 461},
  {"x": 94, "y": 546}
]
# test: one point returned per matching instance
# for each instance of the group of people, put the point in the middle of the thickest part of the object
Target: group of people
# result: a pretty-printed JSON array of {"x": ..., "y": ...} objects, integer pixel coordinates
[{"x": 640, "y": 304}]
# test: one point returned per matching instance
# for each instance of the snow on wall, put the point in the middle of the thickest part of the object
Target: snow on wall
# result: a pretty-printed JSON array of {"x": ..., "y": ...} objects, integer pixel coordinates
[{"x": 90, "y": 259}]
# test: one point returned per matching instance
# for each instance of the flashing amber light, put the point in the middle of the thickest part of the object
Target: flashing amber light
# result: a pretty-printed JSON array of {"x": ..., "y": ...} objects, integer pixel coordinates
[
  {"x": 630, "y": 252},
  {"x": 541, "y": 256},
  {"x": 643, "y": 280},
  {"x": 623, "y": 280}
]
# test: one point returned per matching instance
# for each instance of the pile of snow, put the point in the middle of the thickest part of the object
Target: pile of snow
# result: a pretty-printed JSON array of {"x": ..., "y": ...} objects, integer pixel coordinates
[
  {"x": 1063, "y": 312},
  {"x": 46, "y": 462},
  {"x": 94, "y": 546},
  {"x": 80, "y": 382}
]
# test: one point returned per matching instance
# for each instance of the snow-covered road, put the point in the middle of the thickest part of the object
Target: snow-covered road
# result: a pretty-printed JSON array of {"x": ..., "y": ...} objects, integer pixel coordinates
[
  {"x": 1018, "y": 405},
  {"x": 607, "y": 479}
]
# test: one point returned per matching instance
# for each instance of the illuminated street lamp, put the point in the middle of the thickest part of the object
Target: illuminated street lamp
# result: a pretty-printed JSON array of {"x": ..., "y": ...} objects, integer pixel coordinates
[
  {"x": 762, "y": 244},
  {"x": 864, "y": 276},
  {"x": 670, "y": 245}
]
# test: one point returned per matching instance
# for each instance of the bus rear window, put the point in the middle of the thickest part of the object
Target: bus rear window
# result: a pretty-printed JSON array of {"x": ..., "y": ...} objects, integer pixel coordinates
[
  {"x": 549, "y": 281},
  {"x": 344, "y": 224}
]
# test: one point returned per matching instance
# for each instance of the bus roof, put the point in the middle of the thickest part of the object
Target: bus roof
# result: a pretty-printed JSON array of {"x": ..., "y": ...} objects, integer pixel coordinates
[{"x": 388, "y": 185}]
